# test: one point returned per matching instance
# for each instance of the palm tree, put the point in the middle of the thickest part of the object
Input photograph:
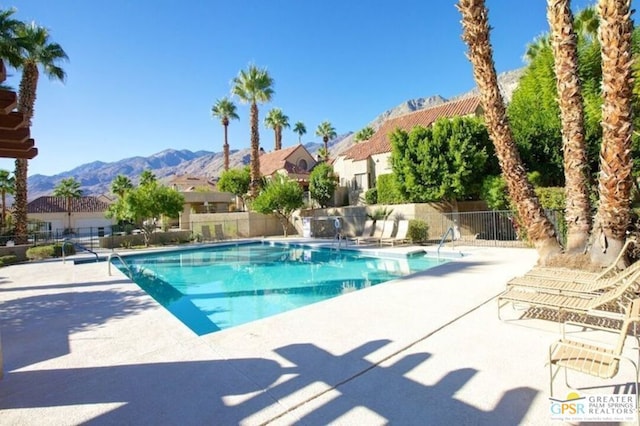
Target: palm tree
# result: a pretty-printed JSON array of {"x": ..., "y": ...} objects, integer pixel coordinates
[
  {"x": 276, "y": 120},
  {"x": 36, "y": 51},
  {"x": 9, "y": 43},
  {"x": 300, "y": 129},
  {"x": 120, "y": 185},
  {"x": 253, "y": 86},
  {"x": 363, "y": 134},
  {"x": 476, "y": 34},
  {"x": 225, "y": 110},
  {"x": 147, "y": 177},
  {"x": 7, "y": 186},
  {"x": 68, "y": 188},
  {"x": 327, "y": 132},
  {"x": 564, "y": 44},
  {"x": 615, "y": 180}
]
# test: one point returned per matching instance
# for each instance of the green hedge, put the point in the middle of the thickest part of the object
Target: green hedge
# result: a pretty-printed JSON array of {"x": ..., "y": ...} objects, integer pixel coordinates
[
  {"x": 8, "y": 259},
  {"x": 389, "y": 190},
  {"x": 418, "y": 231},
  {"x": 371, "y": 196},
  {"x": 49, "y": 251}
]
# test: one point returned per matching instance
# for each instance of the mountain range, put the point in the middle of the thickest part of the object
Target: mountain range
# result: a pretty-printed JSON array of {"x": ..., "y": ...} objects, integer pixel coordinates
[{"x": 96, "y": 177}]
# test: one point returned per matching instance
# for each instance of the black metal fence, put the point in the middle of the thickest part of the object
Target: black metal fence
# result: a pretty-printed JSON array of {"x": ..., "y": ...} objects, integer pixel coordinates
[{"x": 480, "y": 228}]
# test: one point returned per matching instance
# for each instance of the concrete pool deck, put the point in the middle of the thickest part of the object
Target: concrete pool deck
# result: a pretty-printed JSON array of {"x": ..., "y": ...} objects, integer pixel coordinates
[{"x": 82, "y": 346}]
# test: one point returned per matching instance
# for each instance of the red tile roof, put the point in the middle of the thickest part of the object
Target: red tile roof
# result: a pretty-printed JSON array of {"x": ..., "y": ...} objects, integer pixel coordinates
[
  {"x": 379, "y": 142},
  {"x": 273, "y": 161},
  {"x": 191, "y": 183},
  {"x": 59, "y": 205}
]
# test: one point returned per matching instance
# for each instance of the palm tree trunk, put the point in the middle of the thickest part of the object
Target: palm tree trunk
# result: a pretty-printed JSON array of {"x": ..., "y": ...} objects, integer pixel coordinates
[
  {"x": 4, "y": 208},
  {"x": 26, "y": 104},
  {"x": 578, "y": 207},
  {"x": 615, "y": 180},
  {"x": 255, "y": 152},
  {"x": 225, "y": 147},
  {"x": 476, "y": 34},
  {"x": 326, "y": 148},
  {"x": 278, "y": 132}
]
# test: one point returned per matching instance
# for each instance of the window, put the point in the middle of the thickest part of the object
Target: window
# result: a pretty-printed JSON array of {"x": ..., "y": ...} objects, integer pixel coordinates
[
  {"x": 360, "y": 180},
  {"x": 302, "y": 164}
]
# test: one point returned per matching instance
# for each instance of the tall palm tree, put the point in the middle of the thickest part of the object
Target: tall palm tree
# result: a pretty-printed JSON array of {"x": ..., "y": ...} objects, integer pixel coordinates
[
  {"x": 300, "y": 129},
  {"x": 277, "y": 120},
  {"x": 36, "y": 51},
  {"x": 68, "y": 188},
  {"x": 615, "y": 180},
  {"x": 7, "y": 186},
  {"x": 476, "y": 34},
  {"x": 253, "y": 86},
  {"x": 225, "y": 110},
  {"x": 564, "y": 44},
  {"x": 327, "y": 132},
  {"x": 9, "y": 43},
  {"x": 120, "y": 185}
]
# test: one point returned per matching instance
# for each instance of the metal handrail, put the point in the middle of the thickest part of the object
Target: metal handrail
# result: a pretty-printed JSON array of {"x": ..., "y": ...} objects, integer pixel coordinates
[
  {"x": 114, "y": 254},
  {"x": 444, "y": 237},
  {"x": 80, "y": 246}
]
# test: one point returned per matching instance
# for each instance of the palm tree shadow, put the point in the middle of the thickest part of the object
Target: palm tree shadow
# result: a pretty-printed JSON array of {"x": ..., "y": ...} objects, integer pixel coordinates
[{"x": 233, "y": 391}]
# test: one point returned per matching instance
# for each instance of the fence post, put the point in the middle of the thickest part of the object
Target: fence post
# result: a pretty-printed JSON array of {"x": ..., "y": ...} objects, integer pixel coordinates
[{"x": 495, "y": 229}]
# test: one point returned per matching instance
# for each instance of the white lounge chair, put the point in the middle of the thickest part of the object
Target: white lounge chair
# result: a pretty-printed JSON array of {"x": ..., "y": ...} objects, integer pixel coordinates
[{"x": 401, "y": 234}]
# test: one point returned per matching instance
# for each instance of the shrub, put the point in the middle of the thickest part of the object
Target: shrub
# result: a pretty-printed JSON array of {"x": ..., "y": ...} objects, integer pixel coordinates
[
  {"x": 49, "y": 251},
  {"x": 388, "y": 190},
  {"x": 551, "y": 198},
  {"x": 371, "y": 196},
  {"x": 8, "y": 259},
  {"x": 418, "y": 231},
  {"x": 40, "y": 252}
]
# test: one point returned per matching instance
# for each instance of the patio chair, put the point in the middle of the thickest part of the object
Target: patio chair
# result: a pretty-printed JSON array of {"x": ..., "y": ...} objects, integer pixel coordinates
[
  {"x": 387, "y": 231},
  {"x": 561, "y": 273},
  {"x": 617, "y": 298},
  {"x": 595, "y": 359},
  {"x": 206, "y": 233},
  {"x": 401, "y": 234},
  {"x": 219, "y": 233},
  {"x": 377, "y": 234},
  {"x": 557, "y": 284},
  {"x": 366, "y": 231}
]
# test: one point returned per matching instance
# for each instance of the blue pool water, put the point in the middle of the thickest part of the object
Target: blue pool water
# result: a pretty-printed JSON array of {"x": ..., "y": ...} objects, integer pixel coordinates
[{"x": 213, "y": 288}]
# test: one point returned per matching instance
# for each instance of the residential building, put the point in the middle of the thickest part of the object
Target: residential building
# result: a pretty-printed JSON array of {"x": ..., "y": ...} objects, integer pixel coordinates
[
  {"x": 294, "y": 162},
  {"x": 83, "y": 215},
  {"x": 359, "y": 166}
]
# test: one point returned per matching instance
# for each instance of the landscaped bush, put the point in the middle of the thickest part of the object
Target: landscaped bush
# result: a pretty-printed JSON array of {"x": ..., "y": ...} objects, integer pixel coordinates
[
  {"x": 371, "y": 196},
  {"x": 388, "y": 190},
  {"x": 49, "y": 251},
  {"x": 8, "y": 259},
  {"x": 41, "y": 252},
  {"x": 418, "y": 231}
]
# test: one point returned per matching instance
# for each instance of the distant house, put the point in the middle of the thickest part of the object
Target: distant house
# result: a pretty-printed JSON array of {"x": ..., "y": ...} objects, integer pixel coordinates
[
  {"x": 188, "y": 183},
  {"x": 359, "y": 166},
  {"x": 294, "y": 162},
  {"x": 87, "y": 214},
  {"x": 201, "y": 195}
]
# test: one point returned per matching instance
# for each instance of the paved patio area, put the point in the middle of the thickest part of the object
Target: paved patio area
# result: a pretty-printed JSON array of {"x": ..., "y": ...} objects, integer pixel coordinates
[{"x": 82, "y": 346}]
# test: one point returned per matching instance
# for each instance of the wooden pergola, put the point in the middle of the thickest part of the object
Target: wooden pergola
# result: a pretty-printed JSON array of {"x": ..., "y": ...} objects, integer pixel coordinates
[{"x": 15, "y": 137}]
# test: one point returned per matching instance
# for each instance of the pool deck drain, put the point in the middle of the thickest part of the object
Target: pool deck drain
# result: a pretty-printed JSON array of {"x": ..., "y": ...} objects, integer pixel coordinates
[{"x": 81, "y": 346}]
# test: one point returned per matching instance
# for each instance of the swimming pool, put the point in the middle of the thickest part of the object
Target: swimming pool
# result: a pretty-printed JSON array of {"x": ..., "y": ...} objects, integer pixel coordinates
[{"x": 214, "y": 288}]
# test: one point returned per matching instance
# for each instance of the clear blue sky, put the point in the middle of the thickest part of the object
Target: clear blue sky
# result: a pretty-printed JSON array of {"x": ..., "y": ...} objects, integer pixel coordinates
[{"x": 143, "y": 75}]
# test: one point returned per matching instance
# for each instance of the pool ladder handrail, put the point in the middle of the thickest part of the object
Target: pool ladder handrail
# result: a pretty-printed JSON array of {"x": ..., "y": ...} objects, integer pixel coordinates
[
  {"x": 114, "y": 254},
  {"x": 444, "y": 237},
  {"x": 80, "y": 246}
]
